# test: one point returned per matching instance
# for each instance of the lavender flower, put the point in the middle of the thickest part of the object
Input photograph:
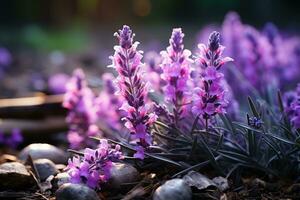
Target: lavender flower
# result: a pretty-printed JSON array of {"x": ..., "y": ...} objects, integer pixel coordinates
[
  {"x": 79, "y": 100},
  {"x": 209, "y": 98},
  {"x": 153, "y": 70},
  {"x": 254, "y": 122},
  {"x": 93, "y": 169},
  {"x": 108, "y": 101},
  {"x": 57, "y": 83},
  {"x": 263, "y": 58},
  {"x": 176, "y": 73},
  {"x": 5, "y": 57},
  {"x": 13, "y": 140},
  {"x": 127, "y": 62},
  {"x": 292, "y": 106}
]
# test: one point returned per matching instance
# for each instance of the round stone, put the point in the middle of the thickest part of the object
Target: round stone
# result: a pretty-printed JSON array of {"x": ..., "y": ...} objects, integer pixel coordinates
[
  {"x": 60, "y": 179},
  {"x": 69, "y": 191},
  {"x": 42, "y": 150},
  {"x": 45, "y": 168},
  {"x": 122, "y": 173},
  {"x": 14, "y": 175},
  {"x": 175, "y": 189}
]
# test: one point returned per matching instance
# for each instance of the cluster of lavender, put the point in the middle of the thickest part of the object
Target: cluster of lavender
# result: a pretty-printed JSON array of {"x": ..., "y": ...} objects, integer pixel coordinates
[
  {"x": 153, "y": 70},
  {"x": 108, "y": 101},
  {"x": 209, "y": 98},
  {"x": 176, "y": 67},
  {"x": 292, "y": 104},
  {"x": 12, "y": 140},
  {"x": 265, "y": 58},
  {"x": 127, "y": 62},
  {"x": 79, "y": 100},
  {"x": 93, "y": 169}
]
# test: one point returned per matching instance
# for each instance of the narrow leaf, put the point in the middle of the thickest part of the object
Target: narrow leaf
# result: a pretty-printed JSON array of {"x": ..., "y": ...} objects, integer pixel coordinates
[{"x": 253, "y": 107}]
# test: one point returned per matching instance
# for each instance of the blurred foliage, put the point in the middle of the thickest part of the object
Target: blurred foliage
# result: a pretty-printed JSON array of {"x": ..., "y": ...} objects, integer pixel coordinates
[{"x": 73, "y": 39}]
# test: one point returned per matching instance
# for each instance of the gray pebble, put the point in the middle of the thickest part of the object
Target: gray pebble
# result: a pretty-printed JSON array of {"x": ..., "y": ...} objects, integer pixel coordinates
[
  {"x": 42, "y": 150},
  {"x": 175, "y": 189},
  {"x": 69, "y": 191}
]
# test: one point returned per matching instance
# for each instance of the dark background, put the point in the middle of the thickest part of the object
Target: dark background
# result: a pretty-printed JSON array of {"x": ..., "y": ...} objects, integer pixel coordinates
[
  {"x": 67, "y": 24},
  {"x": 60, "y": 13}
]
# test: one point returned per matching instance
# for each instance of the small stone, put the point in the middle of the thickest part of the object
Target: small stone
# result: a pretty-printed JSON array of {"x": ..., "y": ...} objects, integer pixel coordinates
[
  {"x": 45, "y": 168},
  {"x": 122, "y": 173},
  {"x": 60, "y": 179},
  {"x": 221, "y": 183},
  {"x": 175, "y": 189},
  {"x": 14, "y": 175},
  {"x": 42, "y": 150},
  {"x": 69, "y": 191}
]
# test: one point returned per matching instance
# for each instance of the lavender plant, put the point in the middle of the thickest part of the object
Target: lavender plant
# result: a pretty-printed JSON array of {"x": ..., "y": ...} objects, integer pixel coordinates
[
  {"x": 209, "y": 97},
  {"x": 153, "y": 70},
  {"x": 261, "y": 60},
  {"x": 127, "y": 62},
  {"x": 263, "y": 140},
  {"x": 107, "y": 100},
  {"x": 292, "y": 104},
  {"x": 79, "y": 100},
  {"x": 176, "y": 73},
  {"x": 93, "y": 168}
]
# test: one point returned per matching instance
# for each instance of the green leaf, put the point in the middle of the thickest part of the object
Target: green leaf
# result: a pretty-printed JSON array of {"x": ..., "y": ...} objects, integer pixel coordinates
[
  {"x": 211, "y": 156},
  {"x": 272, "y": 146},
  {"x": 147, "y": 154},
  {"x": 238, "y": 157},
  {"x": 194, "y": 126},
  {"x": 280, "y": 102},
  {"x": 193, "y": 147},
  {"x": 253, "y": 107},
  {"x": 220, "y": 142},
  {"x": 251, "y": 143},
  {"x": 164, "y": 159},
  {"x": 280, "y": 138},
  {"x": 169, "y": 128},
  {"x": 169, "y": 138},
  {"x": 194, "y": 167},
  {"x": 243, "y": 125}
]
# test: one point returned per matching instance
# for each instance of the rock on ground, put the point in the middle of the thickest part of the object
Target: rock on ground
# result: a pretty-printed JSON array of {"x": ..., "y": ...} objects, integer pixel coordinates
[
  {"x": 42, "y": 150},
  {"x": 175, "y": 189},
  {"x": 122, "y": 173},
  {"x": 14, "y": 175},
  {"x": 45, "y": 168},
  {"x": 69, "y": 191}
]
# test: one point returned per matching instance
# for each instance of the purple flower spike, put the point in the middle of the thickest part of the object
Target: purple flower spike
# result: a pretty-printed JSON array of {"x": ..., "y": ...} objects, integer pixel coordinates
[
  {"x": 107, "y": 100},
  {"x": 79, "y": 100},
  {"x": 125, "y": 37},
  {"x": 214, "y": 41},
  {"x": 209, "y": 98},
  {"x": 5, "y": 57},
  {"x": 153, "y": 70},
  {"x": 176, "y": 73},
  {"x": 93, "y": 169},
  {"x": 292, "y": 104},
  {"x": 127, "y": 62}
]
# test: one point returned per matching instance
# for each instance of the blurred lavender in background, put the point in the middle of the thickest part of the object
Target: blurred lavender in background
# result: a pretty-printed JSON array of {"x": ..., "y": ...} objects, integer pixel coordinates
[{"x": 5, "y": 60}]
